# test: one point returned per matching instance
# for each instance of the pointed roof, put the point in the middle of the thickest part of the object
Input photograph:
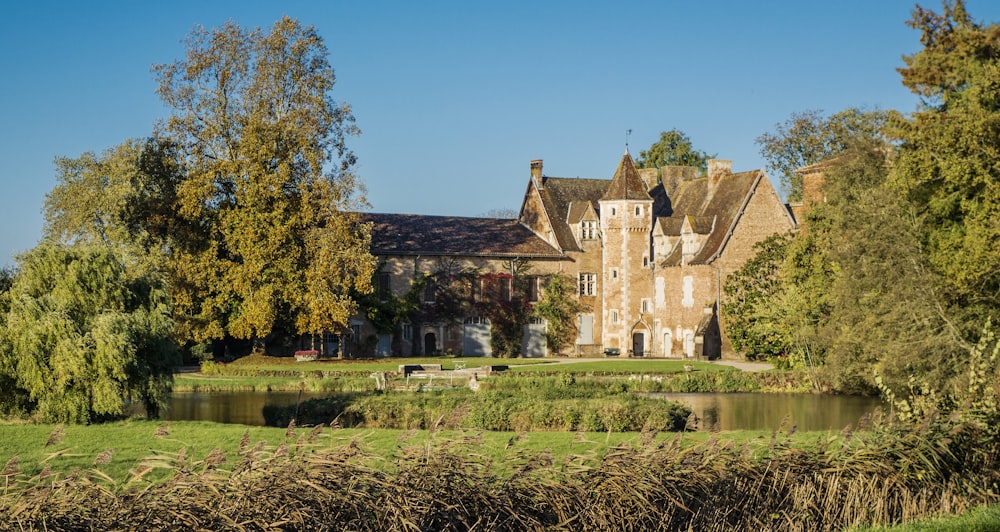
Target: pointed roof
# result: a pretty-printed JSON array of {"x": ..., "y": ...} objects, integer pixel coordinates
[{"x": 626, "y": 185}]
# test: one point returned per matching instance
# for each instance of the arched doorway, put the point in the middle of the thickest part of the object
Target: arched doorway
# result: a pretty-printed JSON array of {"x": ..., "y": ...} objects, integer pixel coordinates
[
  {"x": 430, "y": 344},
  {"x": 668, "y": 343}
]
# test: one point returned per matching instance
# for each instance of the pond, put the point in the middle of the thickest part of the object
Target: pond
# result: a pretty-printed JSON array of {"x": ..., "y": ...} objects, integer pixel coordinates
[
  {"x": 244, "y": 408},
  {"x": 723, "y": 411},
  {"x": 762, "y": 411}
]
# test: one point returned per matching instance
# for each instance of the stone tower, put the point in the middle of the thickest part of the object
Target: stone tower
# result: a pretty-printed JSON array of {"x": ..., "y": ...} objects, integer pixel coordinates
[{"x": 627, "y": 276}]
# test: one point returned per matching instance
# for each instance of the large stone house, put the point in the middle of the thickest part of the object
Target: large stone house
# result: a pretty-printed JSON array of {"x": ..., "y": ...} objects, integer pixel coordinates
[{"x": 649, "y": 251}]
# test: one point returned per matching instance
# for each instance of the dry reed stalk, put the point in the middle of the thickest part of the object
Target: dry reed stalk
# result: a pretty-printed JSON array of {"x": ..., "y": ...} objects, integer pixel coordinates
[{"x": 56, "y": 436}]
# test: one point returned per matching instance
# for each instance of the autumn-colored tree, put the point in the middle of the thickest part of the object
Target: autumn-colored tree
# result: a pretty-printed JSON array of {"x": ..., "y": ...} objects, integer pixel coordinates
[
  {"x": 85, "y": 336},
  {"x": 674, "y": 148},
  {"x": 268, "y": 189}
]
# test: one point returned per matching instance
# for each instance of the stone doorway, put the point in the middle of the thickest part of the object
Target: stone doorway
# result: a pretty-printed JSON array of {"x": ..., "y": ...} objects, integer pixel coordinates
[
  {"x": 430, "y": 344},
  {"x": 638, "y": 344}
]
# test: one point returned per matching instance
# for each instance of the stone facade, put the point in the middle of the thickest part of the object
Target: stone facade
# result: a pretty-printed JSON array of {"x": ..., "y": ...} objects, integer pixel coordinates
[{"x": 649, "y": 249}]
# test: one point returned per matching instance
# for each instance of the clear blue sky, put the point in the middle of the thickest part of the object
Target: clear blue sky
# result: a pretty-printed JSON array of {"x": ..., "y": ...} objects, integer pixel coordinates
[{"x": 455, "y": 98}]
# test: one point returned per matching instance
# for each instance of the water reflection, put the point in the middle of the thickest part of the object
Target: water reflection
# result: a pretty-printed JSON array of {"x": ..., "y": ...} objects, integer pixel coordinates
[
  {"x": 245, "y": 408},
  {"x": 716, "y": 411},
  {"x": 757, "y": 411}
]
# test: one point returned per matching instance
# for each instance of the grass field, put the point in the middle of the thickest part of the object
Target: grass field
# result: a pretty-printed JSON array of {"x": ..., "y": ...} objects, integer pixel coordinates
[{"x": 70, "y": 447}]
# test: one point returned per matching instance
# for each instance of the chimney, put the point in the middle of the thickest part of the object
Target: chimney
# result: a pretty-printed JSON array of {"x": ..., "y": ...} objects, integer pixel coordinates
[
  {"x": 719, "y": 167},
  {"x": 536, "y": 173}
]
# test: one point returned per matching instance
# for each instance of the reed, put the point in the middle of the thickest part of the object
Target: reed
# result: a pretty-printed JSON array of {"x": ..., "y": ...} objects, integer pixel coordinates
[{"x": 315, "y": 479}]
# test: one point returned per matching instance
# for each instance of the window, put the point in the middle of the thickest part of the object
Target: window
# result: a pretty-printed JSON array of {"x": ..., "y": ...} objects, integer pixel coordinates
[
  {"x": 614, "y": 317},
  {"x": 638, "y": 210},
  {"x": 383, "y": 286},
  {"x": 355, "y": 332},
  {"x": 644, "y": 306},
  {"x": 588, "y": 282},
  {"x": 430, "y": 292},
  {"x": 645, "y": 262},
  {"x": 532, "y": 288},
  {"x": 614, "y": 211},
  {"x": 614, "y": 273},
  {"x": 407, "y": 331},
  {"x": 588, "y": 230}
]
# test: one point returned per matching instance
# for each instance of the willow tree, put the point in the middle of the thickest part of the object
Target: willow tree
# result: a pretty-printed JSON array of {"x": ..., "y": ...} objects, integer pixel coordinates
[
  {"x": 85, "y": 337},
  {"x": 268, "y": 190}
]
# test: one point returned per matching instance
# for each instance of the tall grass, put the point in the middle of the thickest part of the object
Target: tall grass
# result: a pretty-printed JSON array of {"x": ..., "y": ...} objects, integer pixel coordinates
[{"x": 311, "y": 479}]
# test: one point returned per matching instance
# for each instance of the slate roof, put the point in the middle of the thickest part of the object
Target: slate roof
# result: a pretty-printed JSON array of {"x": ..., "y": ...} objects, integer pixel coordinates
[
  {"x": 416, "y": 234},
  {"x": 722, "y": 198}
]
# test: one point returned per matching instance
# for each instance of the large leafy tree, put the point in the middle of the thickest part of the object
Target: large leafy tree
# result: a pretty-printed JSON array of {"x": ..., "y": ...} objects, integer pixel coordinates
[
  {"x": 268, "y": 186},
  {"x": 85, "y": 336},
  {"x": 810, "y": 137},
  {"x": 673, "y": 148},
  {"x": 882, "y": 310},
  {"x": 123, "y": 198},
  {"x": 949, "y": 154}
]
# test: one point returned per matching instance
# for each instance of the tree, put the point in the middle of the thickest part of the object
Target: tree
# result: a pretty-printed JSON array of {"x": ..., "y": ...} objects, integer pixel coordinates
[
  {"x": 673, "y": 148},
  {"x": 750, "y": 295},
  {"x": 809, "y": 137},
  {"x": 884, "y": 308},
  {"x": 949, "y": 152},
  {"x": 268, "y": 187},
  {"x": 85, "y": 336},
  {"x": 123, "y": 199},
  {"x": 559, "y": 308}
]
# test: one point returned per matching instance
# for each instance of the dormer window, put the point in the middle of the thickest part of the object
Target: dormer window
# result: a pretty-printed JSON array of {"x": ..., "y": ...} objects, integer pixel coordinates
[{"x": 588, "y": 230}]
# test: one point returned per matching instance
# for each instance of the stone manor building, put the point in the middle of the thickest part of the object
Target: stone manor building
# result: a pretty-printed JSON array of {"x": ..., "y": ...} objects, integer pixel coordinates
[{"x": 649, "y": 251}]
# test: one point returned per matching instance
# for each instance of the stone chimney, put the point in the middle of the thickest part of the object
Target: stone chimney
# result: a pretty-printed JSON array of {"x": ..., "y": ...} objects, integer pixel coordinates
[
  {"x": 719, "y": 167},
  {"x": 536, "y": 173}
]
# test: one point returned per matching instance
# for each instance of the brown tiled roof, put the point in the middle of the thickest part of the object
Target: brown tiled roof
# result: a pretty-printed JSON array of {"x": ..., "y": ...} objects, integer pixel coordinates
[
  {"x": 702, "y": 225},
  {"x": 722, "y": 197},
  {"x": 576, "y": 211},
  {"x": 670, "y": 226},
  {"x": 558, "y": 193},
  {"x": 415, "y": 234},
  {"x": 626, "y": 184}
]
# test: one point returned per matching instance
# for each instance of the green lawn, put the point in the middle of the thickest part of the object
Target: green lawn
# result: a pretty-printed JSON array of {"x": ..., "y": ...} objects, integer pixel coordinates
[
  {"x": 135, "y": 441},
  {"x": 623, "y": 366},
  {"x": 982, "y": 519}
]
